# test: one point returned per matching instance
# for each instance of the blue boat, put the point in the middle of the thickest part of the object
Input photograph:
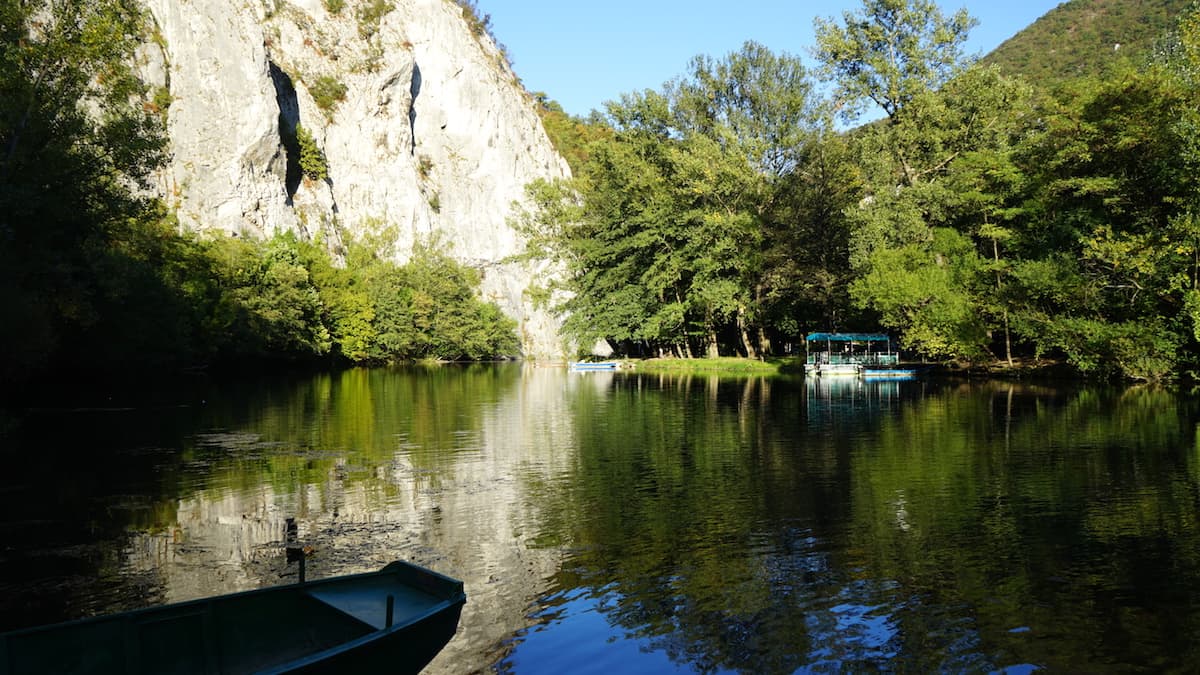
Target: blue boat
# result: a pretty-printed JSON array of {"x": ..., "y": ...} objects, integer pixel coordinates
[
  {"x": 889, "y": 373},
  {"x": 589, "y": 366},
  {"x": 394, "y": 620}
]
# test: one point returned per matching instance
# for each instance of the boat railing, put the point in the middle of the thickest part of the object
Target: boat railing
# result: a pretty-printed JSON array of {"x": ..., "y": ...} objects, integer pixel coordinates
[{"x": 842, "y": 358}]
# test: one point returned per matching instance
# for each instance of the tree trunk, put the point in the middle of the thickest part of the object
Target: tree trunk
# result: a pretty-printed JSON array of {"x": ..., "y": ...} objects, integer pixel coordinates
[
  {"x": 1007, "y": 336},
  {"x": 747, "y": 343},
  {"x": 1007, "y": 341},
  {"x": 764, "y": 343}
]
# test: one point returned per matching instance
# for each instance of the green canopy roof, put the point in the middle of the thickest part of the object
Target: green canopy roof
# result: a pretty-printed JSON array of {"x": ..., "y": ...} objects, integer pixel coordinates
[{"x": 848, "y": 337}]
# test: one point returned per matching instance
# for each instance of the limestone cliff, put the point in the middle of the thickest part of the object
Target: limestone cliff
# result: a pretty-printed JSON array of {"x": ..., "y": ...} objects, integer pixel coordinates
[{"x": 424, "y": 127}]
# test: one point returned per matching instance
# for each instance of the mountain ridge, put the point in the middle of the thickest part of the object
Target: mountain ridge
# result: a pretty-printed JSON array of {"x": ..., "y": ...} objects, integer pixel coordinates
[{"x": 1081, "y": 38}]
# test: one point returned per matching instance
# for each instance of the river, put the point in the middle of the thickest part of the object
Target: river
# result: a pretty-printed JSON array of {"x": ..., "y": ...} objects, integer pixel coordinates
[{"x": 627, "y": 522}]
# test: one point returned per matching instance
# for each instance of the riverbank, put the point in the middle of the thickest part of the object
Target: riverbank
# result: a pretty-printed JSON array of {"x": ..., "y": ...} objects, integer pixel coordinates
[
  {"x": 721, "y": 365},
  {"x": 1020, "y": 369}
]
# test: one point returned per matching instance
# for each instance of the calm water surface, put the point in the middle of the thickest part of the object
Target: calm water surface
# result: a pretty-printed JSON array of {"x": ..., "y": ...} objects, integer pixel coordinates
[{"x": 634, "y": 523}]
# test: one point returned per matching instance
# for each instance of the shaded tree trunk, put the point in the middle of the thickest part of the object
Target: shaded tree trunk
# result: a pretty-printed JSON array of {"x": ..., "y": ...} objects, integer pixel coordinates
[
  {"x": 1007, "y": 335},
  {"x": 744, "y": 333}
]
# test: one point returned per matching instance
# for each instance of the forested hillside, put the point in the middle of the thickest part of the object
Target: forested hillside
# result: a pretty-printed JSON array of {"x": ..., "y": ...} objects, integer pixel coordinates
[
  {"x": 982, "y": 219},
  {"x": 1080, "y": 38}
]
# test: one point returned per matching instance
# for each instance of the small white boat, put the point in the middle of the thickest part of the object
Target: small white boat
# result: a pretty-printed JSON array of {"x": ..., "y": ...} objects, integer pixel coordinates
[{"x": 588, "y": 366}]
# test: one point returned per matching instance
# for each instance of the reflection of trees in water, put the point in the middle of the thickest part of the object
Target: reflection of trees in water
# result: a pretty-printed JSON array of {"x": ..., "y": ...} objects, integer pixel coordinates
[
  {"x": 938, "y": 528},
  {"x": 664, "y": 515},
  {"x": 1053, "y": 512}
]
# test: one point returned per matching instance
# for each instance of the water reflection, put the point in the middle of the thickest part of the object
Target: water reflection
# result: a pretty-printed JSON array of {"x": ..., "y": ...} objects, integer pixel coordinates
[{"x": 620, "y": 521}]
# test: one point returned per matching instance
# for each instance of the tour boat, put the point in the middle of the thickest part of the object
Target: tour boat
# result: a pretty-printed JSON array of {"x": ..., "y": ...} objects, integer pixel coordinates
[{"x": 848, "y": 353}]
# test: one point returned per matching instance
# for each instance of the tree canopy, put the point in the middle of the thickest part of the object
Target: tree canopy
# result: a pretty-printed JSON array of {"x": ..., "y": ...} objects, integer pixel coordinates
[{"x": 891, "y": 52}]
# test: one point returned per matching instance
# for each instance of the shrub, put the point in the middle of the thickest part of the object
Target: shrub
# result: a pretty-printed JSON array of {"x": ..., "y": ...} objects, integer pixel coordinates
[
  {"x": 160, "y": 102},
  {"x": 312, "y": 160},
  {"x": 424, "y": 166},
  {"x": 327, "y": 92},
  {"x": 480, "y": 24},
  {"x": 370, "y": 15}
]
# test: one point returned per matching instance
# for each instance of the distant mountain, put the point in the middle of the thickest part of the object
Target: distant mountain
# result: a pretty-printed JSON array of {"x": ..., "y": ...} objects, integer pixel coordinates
[{"x": 1083, "y": 37}]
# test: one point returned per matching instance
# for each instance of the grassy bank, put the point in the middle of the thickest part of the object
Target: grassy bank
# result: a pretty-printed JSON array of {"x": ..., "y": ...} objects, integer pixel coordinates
[{"x": 724, "y": 364}]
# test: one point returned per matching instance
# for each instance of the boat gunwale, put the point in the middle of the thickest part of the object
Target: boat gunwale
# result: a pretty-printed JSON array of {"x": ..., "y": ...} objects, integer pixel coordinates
[
  {"x": 391, "y": 569},
  {"x": 447, "y": 590}
]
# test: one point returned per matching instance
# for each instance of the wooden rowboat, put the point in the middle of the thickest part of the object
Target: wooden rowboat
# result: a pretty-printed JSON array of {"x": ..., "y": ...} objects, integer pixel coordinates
[{"x": 394, "y": 620}]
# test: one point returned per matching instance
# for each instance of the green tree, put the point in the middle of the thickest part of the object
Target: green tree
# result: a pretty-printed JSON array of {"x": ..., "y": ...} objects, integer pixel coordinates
[
  {"x": 925, "y": 292},
  {"x": 806, "y": 258},
  {"x": 312, "y": 159},
  {"x": 428, "y": 308},
  {"x": 345, "y": 302},
  {"x": 941, "y": 161},
  {"x": 757, "y": 109},
  {"x": 572, "y": 136},
  {"x": 75, "y": 137},
  {"x": 268, "y": 305},
  {"x": 946, "y": 163},
  {"x": 1114, "y": 190},
  {"x": 669, "y": 247},
  {"x": 891, "y": 52}
]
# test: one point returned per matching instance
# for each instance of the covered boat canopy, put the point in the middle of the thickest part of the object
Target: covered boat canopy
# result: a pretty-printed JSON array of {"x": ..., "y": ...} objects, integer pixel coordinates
[{"x": 848, "y": 337}]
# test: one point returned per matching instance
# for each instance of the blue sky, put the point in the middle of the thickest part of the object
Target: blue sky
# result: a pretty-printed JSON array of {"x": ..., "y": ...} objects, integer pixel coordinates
[{"x": 585, "y": 53}]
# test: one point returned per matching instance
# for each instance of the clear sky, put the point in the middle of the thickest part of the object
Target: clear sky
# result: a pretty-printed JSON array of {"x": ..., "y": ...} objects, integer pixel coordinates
[{"x": 583, "y": 53}]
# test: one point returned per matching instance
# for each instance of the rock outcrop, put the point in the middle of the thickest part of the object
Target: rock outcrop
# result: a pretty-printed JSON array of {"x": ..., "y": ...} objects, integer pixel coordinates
[{"x": 426, "y": 131}]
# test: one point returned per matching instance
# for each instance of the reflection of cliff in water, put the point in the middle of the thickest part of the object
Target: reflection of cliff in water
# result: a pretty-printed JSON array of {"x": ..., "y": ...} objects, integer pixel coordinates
[{"x": 461, "y": 508}]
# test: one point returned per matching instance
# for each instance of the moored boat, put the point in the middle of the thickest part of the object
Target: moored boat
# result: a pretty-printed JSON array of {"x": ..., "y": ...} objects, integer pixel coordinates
[
  {"x": 855, "y": 354},
  {"x": 394, "y": 620},
  {"x": 899, "y": 373},
  {"x": 847, "y": 353},
  {"x": 589, "y": 366}
]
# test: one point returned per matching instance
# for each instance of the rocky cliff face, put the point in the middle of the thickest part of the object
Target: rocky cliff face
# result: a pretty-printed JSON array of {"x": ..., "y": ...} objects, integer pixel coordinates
[{"x": 423, "y": 125}]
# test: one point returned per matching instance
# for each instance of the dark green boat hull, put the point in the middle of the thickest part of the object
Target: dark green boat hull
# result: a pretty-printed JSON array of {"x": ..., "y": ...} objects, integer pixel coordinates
[{"x": 331, "y": 625}]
